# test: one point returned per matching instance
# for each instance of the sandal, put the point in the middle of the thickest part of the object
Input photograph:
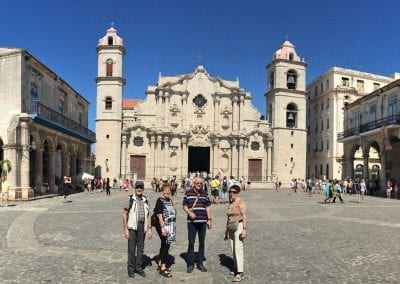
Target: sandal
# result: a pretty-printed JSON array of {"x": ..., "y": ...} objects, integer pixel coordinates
[
  {"x": 238, "y": 277},
  {"x": 166, "y": 273}
]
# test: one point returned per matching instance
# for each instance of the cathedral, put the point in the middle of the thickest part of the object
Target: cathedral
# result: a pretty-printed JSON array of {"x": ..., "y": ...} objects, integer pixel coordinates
[{"x": 197, "y": 122}]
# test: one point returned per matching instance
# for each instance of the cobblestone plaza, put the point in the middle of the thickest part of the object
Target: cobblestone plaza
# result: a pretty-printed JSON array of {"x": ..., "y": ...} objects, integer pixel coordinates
[{"x": 291, "y": 239}]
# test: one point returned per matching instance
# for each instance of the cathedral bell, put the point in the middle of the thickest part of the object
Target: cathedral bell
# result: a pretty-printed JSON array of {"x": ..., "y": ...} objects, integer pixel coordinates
[
  {"x": 290, "y": 117},
  {"x": 291, "y": 83}
]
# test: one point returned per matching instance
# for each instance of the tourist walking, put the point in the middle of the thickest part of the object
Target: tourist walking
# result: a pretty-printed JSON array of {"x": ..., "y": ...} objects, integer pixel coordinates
[
  {"x": 328, "y": 192},
  {"x": 166, "y": 227},
  {"x": 66, "y": 188},
  {"x": 236, "y": 231},
  {"x": 337, "y": 192},
  {"x": 196, "y": 205},
  {"x": 108, "y": 191},
  {"x": 388, "y": 188},
  {"x": 362, "y": 190},
  {"x": 136, "y": 222},
  {"x": 4, "y": 191},
  {"x": 215, "y": 185}
]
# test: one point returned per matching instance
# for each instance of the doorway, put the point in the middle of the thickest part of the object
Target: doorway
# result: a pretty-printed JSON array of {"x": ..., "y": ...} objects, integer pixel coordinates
[{"x": 199, "y": 159}]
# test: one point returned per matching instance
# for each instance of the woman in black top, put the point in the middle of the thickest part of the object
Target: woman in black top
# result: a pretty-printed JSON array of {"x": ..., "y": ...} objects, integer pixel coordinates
[{"x": 166, "y": 227}]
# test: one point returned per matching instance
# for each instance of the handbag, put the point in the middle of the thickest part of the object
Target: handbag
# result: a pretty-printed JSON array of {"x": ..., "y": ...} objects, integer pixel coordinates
[
  {"x": 154, "y": 220},
  {"x": 232, "y": 226}
]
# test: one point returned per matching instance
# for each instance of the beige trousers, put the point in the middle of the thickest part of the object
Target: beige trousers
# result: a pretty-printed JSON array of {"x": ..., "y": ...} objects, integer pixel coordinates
[{"x": 237, "y": 248}]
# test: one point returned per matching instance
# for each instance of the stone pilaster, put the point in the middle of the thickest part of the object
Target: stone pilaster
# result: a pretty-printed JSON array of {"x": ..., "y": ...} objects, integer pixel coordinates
[
  {"x": 269, "y": 161},
  {"x": 152, "y": 156},
  {"x": 39, "y": 170},
  {"x": 123, "y": 155},
  {"x": 52, "y": 167},
  {"x": 235, "y": 114},
  {"x": 184, "y": 156},
  {"x": 166, "y": 162},
  {"x": 66, "y": 170},
  {"x": 241, "y": 157},
  {"x": 234, "y": 158}
]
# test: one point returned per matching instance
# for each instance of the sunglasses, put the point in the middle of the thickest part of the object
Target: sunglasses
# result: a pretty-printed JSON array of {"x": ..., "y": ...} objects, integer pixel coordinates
[{"x": 233, "y": 191}]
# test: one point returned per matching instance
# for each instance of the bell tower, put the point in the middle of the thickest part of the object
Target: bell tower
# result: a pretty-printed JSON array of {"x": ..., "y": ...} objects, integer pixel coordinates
[
  {"x": 109, "y": 81},
  {"x": 286, "y": 106}
]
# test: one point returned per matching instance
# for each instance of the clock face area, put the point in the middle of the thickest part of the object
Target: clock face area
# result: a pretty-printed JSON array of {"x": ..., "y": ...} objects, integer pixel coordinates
[{"x": 199, "y": 101}]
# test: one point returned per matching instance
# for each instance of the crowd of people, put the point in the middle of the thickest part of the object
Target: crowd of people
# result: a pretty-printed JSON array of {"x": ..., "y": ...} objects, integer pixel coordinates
[
  {"x": 138, "y": 222},
  {"x": 335, "y": 188}
]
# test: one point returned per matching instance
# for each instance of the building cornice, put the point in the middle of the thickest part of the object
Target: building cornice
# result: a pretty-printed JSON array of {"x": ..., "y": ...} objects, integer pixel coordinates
[
  {"x": 111, "y": 47},
  {"x": 299, "y": 63},
  {"x": 282, "y": 90},
  {"x": 113, "y": 79}
]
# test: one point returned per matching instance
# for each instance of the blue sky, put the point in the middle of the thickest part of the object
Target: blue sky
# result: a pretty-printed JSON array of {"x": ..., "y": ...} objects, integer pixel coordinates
[{"x": 235, "y": 38}]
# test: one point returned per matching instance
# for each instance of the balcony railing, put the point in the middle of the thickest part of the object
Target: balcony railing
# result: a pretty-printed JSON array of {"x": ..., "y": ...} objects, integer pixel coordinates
[
  {"x": 376, "y": 124},
  {"x": 57, "y": 119}
]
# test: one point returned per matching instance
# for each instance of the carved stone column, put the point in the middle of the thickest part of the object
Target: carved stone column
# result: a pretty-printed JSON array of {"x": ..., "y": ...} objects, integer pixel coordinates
[
  {"x": 184, "y": 156},
  {"x": 158, "y": 158},
  {"x": 383, "y": 175},
  {"x": 217, "y": 112},
  {"x": 52, "y": 168},
  {"x": 184, "y": 111},
  {"x": 215, "y": 156},
  {"x": 166, "y": 109},
  {"x": 24, "y": 153},
  {"x": 234, "y": 158},
  {"x": 39, "y": 170},
  {"x": 73, "y": 165},
  {"x": 235, "y": 114},
  {"x": 241, "y": 157},
  {"x": 123, "y": 154},
  {"x": 65, "y": 171},
  {"x": 166, "y": 164},
  {"x": 152, "y": 156},
  {"x": 269, "y": 161}
]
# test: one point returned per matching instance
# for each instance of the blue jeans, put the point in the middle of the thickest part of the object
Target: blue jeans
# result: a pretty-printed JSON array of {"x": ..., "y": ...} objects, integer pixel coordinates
[{"x": 200, "y": 229}]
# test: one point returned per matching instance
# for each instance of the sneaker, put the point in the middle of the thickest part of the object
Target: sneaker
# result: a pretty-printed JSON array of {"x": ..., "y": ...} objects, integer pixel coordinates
[
  {"x": 131, "y": 274},
  {"x": 190, "y": 268},
  {"x": 201, "y": 267}
]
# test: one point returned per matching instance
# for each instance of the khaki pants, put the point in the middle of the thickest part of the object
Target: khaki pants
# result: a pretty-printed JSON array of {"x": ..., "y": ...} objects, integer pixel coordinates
[{"x": 237, "y": 248}]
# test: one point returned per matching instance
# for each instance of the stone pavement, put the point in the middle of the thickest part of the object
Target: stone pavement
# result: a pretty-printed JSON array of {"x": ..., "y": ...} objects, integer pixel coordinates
[{"x": 292, "y": 239}]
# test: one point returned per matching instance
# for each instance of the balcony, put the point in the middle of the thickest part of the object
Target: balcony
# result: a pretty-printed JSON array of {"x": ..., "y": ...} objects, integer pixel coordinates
[
  {"x": 51, "y": 118},
  {"x": 369, "y": 127}
]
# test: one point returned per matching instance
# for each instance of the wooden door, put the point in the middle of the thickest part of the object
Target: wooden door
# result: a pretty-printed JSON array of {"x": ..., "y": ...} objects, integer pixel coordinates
[
  {"x": 255, "y": 169},
  {"x": 138, "y": 166}
]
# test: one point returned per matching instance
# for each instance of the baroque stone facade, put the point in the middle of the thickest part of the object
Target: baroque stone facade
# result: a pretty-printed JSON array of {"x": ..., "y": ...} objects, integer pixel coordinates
[{"x": 198, "y": 122}]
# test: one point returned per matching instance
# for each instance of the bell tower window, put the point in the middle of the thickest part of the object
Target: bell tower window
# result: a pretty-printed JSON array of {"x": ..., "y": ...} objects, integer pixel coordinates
[
  {"x": 109, "y": 67},
  {"x": 291, "y": 79},
  {"x": 108, "y": 103},
  {"x": 110, "y": 40},
  {"x": 271, "y": 80},
  {"x": 291, "y": 115}
]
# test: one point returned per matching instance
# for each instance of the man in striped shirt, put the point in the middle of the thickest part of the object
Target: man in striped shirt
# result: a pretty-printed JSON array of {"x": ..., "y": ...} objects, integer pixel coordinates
[{"x": 196, "y": 204}]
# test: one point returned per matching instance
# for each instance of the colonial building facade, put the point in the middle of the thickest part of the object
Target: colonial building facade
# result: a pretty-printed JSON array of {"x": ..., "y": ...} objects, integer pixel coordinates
[
  {"x": 327, "y": 97},
  {"x": 198, "y": 122},
  {"x": 371, "y": 144},
  {"x": 43, "y": 126}
]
